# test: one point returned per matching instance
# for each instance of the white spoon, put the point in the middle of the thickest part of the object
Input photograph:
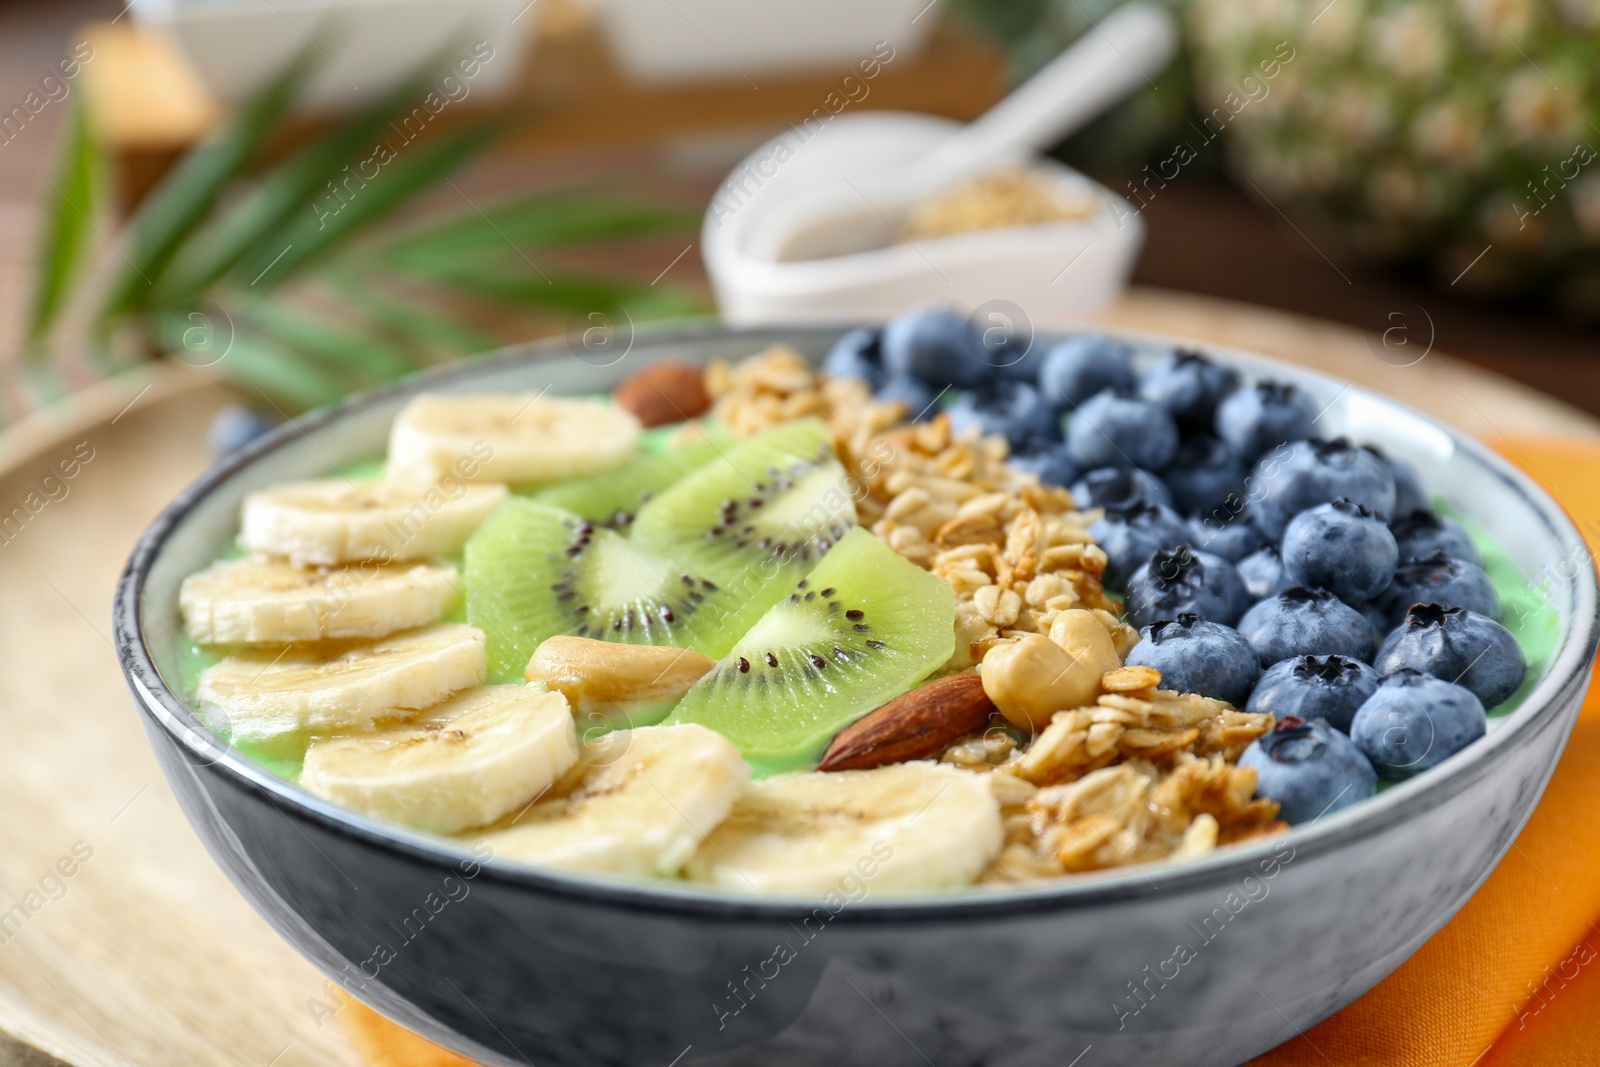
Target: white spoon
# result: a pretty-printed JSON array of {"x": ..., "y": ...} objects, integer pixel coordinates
[{"x": 1112, "y": 59}]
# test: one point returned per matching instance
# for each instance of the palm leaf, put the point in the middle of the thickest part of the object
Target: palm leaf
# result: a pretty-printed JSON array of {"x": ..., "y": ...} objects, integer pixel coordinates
[
  {"x": 78, "y": 185},
  {"x": 357, "y": 360},
  {"x": 411, "y": 172},
  {"x": 568, "y": 293},
  {"x": 410, "y": 320},
  {"x": 280, "y": 376},
  {"x": 186, "y": 196}
]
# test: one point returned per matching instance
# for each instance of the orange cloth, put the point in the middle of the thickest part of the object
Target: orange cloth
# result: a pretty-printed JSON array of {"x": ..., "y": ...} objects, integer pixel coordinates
[{"x": 1513, "y": 979}]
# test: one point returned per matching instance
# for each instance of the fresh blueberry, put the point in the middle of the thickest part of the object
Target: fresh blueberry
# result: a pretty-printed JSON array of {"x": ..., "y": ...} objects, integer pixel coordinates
[
  {"x": 938, "y": 346},
  {"x": 1232, "y": 540},
  {"x": 1415, "y": 721},
  {"x": 1345, "y": 548},
  {"x": 1306, "y": 622},
  {"x": 1459, "y": 646},
  {"x": 857, "y": 355},
  {"x": 1204, "y": 476},
  {"x": 1119, "y": 431},
  {"x": 1014, "y": 409},
  {"x": 1261, "y": 416},
  {"x": 1423, "y": 533},
  {"x": 1120, "y": 487},
  {"x": 1011, "y": 355},
  {"x": 1438, "y": 579},
  {"x": 1262, "y": 572},
  {"x": 1082, "y": 366},
  {"x": 1189, "y": 386},
  {"x": 917, "y": 395},
  {"x": 1179, "y": 579},
  {"x": 1310, "y": 769},
  {"x": 234, "y": 427},
  {"x": 1409, "y": 495},
  {"x": 1130, "y": 535},
  {"x": 1315, "y": 687},
  {"x": 1049, "y": 460},
  {"x": 1301, "y": 475},
  {"x": 1196, "y": 655}
]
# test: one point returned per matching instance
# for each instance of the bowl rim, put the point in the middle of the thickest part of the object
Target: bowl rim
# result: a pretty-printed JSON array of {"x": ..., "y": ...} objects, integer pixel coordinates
[{"x": 1543, "y": 707}]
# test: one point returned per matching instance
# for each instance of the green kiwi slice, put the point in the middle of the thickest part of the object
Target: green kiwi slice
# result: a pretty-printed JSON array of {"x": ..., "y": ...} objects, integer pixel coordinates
[
  {"x": 612, "y": 499},
  {"x": 533, "y": 571},
  {"x": 771, "y": 505},
  {"x": 863, "y": 627}
]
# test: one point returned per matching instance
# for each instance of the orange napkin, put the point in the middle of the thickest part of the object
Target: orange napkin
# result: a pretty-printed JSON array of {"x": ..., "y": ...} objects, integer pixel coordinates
[{"x": 1513, "y": 979}]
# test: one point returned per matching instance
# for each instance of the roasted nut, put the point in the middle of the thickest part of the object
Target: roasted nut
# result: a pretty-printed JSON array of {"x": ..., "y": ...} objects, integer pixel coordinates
[
  {"x": 1030, "y": 677},
  {"x": 663, "y": 393},
  {"x": 606, "y": 677},
  {"x": 911, "y": 726}
]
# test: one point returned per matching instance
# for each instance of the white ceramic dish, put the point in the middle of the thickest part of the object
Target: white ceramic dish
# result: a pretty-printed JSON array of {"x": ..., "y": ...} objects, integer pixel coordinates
[
  {"x": 1051, "y": 272},
  {"x": 237, "y": 46}
]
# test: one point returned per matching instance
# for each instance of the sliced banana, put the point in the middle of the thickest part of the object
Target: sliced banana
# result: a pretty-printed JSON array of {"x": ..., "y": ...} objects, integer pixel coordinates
[
  {"x": 498, "y": 437},
  {"x": 644, "y": 805},
  {"x": 341, "y": 685},
  {"x": 259, "y": 601},
  {"x": 481, "y": 755},
  {"x": 894, "y": 829},
  {"x": 334, "y": 521}
]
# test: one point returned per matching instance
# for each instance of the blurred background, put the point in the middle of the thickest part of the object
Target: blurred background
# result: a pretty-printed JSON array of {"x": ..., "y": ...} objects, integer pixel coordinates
[{"x": 335, "y": 192}]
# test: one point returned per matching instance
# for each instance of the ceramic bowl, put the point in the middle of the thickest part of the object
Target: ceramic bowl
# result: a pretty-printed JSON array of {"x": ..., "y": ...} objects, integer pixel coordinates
[{"x": 1204, "y": 963}]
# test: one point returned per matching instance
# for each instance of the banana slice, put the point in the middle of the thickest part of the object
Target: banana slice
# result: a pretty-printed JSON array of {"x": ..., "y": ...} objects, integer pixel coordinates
[
  {"x": 894, "y": 829},
  {"x": 342, "y": 685},
  {"x": 482, "y": 754},
  {"x": 647, "y": 801},
  {"x": 257, "y": 601},
  {"x": 329, "y": 522},
  {"x": 500, "y": 437}
]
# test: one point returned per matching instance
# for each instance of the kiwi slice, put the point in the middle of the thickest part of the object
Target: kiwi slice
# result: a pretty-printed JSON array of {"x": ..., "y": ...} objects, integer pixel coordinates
[
  {"x": 765, "y": 510},
  {"x": 534, "y": 571},
  {"x": 613, "y": 498},
  {"x": 863, "y": 627}
]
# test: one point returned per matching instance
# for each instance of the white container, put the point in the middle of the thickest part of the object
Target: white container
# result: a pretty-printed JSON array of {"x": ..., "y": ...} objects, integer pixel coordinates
[
  {"x": 694, "y": 40},
  {"x": 1052, "y": 272},
  {"x": 237, "y": 46}
]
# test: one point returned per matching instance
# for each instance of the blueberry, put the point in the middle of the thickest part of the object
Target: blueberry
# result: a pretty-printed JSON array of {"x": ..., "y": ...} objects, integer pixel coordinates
[
  {"x": 1306, "y": 622},
  {"x": 1120, "y": 487},
  {"x": 917, "y": 395},
  {"x": 234, "y": 427},
  {"x": 1415, "y": 721},
  {"x": 1131, "y": 535},
  {"x": 1262, "y": 416},
  {"x": 1196, "y": 655},
  {"x": 1438, "y": 579},
  {"x": 1232, "y": 540},
  {"x": 1082, "y": 366},
  {"x": 1315, "y": 687},
  {"x": 1119, "y": 431},
  {"x": 1409, "y": 495},
  {"x": 857, "y": 354},
  {"x": 1189, "y": 386},
  {"x": 1047, "y": 459},
  {"x": 1262, "y": 573},
  {"x": 1310, "y": 769},
  {"x": 1204, "y": 476},
  {"x": 1014, "y": 409},
  {"x": 1343, "y": 547},
  {"x": 1179, "y": 579},
  {"x": 1459, "y": 646},
  {"x": 1301, "y": 475},
  {"x": 938, "y": 346},
  {"x": 1423, "y": 533},
  {"x": 1011, "y": 356}
]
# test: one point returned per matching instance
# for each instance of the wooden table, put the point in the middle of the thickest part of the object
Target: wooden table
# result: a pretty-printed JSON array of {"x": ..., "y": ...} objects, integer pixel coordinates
[{"x": 145, "y": 954}]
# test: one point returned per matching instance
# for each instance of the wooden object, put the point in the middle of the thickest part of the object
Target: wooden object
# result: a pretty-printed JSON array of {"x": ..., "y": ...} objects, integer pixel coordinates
[{"x": 146, "y": 954}]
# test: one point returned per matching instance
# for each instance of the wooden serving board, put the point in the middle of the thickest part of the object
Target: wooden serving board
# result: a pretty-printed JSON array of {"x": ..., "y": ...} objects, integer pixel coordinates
[{"x": 120, "y": 942}]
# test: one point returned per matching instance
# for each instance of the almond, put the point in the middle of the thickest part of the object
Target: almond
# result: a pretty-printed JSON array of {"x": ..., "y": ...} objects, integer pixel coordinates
[
  {"x": 914, "y": 725},
  {"x": 663, "y": 393}
]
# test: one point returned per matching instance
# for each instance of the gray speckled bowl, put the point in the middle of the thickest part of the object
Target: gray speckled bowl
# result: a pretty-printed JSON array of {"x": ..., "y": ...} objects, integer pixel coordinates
[{"x": 1204, "y": 963}]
